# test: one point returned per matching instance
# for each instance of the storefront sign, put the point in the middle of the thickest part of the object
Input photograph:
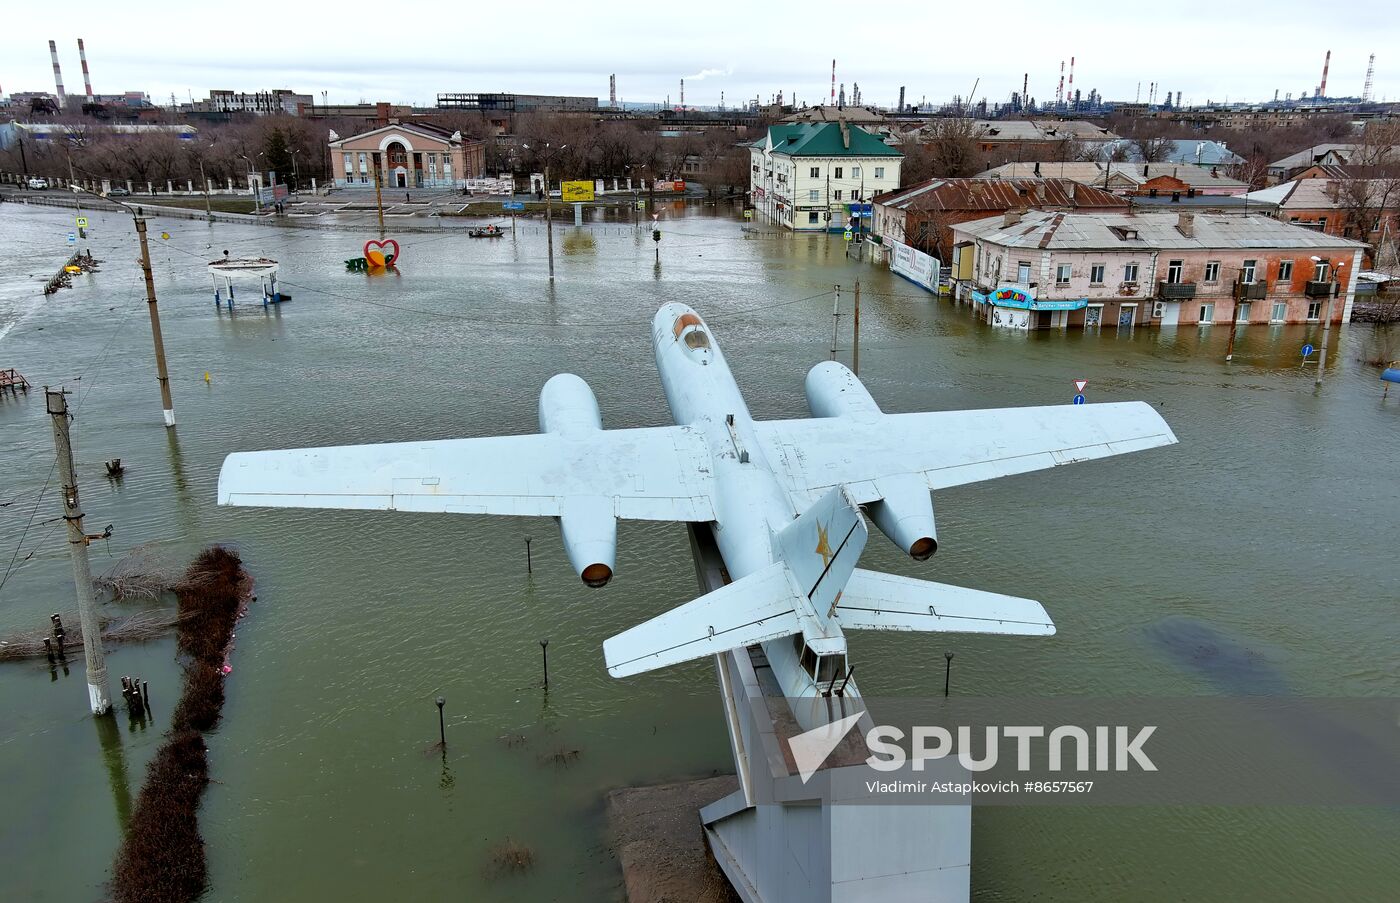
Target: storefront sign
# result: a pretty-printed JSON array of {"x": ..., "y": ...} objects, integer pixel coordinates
[{"x": 914, "y": 265}]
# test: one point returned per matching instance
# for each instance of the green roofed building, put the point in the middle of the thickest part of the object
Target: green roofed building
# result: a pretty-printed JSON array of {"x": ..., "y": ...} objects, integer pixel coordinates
[{"x": 818, "y": 176}]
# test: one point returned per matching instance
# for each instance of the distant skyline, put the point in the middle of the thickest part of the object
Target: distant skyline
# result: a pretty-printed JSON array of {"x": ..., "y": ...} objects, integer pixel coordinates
[{"x": 354, "y": 51}]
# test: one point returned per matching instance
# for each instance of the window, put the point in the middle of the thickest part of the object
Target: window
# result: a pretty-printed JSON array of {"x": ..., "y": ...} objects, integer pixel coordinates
[
  {"x": 1062, "y": 274},
  {"x": 1320, "y": 271},
  {"x": 879, "y": 172},
  {"x": 1285, "y": 271},
  {"x": 1314, "y": 310},
  {"x": 1247, "y": 272},
  {"x": 815, "y": 172},
  {"x": 349, "y": 168},
  {"x": 1130, "y": 273},
  {"x": 837, "y": 174},
  {"x": 1023, "y": 272},
  {"x": 1174, "y": 271},
  {"x": 1322, "y": 224},
  {"x": 1279, "y": 313},
  {"x": 1242, "y": 312},
  {"x": 1096, "y": 274},
  {"x": 1212, "y": 271},
  {"x": 855, "y": 172},
  {"x": 1207, "y": 314},
  {"x": 836, "y": 195},
  {"x": 812, "y": 195}
]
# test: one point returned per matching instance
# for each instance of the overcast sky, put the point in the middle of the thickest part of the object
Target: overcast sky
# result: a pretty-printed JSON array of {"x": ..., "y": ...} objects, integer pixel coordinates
[{"x": 407, "y": 53}]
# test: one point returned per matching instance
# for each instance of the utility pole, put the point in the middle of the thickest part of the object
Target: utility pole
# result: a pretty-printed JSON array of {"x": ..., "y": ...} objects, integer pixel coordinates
[
  {"x": 1327, "y": 323},
  {"x": 208, "y": 211},
  {"x": 378, "y": 198},
  {"x": 99, "y": 696},
  {"x": 855, "y": 340},
  {"x": 549, "y": 219},
  {"x": 166, "y": 403},
  {"x": 835, "y": 320}
]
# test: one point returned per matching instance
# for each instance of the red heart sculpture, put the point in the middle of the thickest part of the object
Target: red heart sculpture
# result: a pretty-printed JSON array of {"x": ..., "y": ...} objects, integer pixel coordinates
[{"x": 381, "y": 259}]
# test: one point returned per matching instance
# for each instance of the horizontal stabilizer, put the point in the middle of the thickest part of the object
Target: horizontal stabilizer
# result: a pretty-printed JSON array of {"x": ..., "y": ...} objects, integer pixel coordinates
[
  {"x": 876, "y": 601},
  {"x": 753, "y": 609}
]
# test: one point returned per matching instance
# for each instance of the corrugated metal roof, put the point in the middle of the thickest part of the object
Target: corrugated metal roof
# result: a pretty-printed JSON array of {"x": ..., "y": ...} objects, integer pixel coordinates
[
  {"x": 998, "y": 194},
  {"x": 1324, "y": 194},
  {"x": 1106, "y": 231},
  {"x": 1093, "y": 173}
]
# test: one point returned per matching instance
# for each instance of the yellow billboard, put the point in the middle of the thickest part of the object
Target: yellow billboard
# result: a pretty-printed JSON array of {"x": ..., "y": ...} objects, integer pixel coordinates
[{"x": 576, "y": 191}]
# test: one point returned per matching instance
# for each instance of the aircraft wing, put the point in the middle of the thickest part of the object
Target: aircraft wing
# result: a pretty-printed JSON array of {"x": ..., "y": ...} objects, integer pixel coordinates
[
  {"x": 659, "y": 473},
  {"x": 949, "y": 448},
  {"x": 876, "y": 601}
]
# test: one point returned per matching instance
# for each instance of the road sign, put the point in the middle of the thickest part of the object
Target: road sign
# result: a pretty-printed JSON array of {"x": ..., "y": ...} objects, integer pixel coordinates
[
  {"x": 1079, "y": 399},
  {"x": 72, "y": 238},
  {"x": 641, "y": 205},
  {"x": 1307, "y": 350},
  {"x": 1079, "y": 385},
  {"x": 82, "y": 222},
  {"x": 513, "y": 205},
  {"x": 847, "y": 235}
]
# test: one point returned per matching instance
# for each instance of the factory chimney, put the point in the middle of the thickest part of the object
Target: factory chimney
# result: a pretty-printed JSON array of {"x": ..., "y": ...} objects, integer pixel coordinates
[
  {"x": 833, "y": 83},
  {"x": 682, "y": 95},
  {"x": 87, "y": 80},
  {"x": 901, "y": 98},
  {"x": 57, "y": 76},
  {"x": 1322, "y": 88},
  {"x": 612, "y": 91}
]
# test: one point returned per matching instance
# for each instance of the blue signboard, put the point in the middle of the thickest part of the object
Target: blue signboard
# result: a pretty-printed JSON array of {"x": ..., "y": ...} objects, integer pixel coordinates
[
  {"x": 1022, "y": 299},
  {"x": 512, "y": 205},
  {"x": 1079, "y": 399},
  {"x": 864, "y": 211},
  {"x": 1307, "y": 350},
  {"x": 72, "y": 238}
]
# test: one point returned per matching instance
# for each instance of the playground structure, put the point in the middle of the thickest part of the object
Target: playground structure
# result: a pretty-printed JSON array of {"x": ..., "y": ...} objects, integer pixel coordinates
[{"x": 229, "y": 270}]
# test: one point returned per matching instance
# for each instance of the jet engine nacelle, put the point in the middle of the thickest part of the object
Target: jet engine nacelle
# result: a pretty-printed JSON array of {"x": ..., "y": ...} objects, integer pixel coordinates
[
  {"x": 834, "y": 391},
  {"x": 590, "y": 537},
  {"x": 905, "y": 514},
  {"x": 568, "y": 406}
]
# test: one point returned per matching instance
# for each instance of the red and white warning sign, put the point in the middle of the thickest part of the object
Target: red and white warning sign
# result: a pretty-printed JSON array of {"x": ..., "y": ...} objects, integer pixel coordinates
[{"x": 1079, "y": 385}]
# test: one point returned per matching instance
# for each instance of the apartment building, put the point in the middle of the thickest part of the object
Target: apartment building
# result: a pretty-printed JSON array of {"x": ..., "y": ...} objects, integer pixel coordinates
[
  {"x": 820, "y": 176},
  {"x": 1089, "y": 270}
]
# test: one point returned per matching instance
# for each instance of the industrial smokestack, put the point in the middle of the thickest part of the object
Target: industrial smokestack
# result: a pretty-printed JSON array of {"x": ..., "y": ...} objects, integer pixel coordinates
[
  {"x": 682, "y": 95},
  {"x": 833, "y": 83},
  {"x": 1321, "y": 89},
  {"x": 57, "y": 76},
  {"x": 901, "y": 98},
  {"x": 612, "y": 86},
  {"x": 87, "y": 80}
]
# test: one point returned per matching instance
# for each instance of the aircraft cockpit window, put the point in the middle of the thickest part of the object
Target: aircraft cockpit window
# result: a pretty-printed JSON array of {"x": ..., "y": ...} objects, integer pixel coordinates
[
  {"x": 697, "y": 338},
  {"x": 830, "y": 667}
]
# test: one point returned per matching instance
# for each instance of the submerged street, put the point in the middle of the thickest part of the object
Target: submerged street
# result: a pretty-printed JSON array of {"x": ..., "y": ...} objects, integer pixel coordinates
[{"x": 1251, "y": 557}]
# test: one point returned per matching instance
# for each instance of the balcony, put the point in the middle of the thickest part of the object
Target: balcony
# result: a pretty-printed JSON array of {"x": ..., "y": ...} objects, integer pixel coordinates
[
  {"x": 1251, "y": 291},
  {"x": 1318, "y": 289},
  {"x": 1176, "y": 291}
]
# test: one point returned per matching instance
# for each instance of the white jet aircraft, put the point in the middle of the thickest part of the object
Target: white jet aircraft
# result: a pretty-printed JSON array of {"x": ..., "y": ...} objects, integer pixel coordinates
[{"x": 783, "y": 498}]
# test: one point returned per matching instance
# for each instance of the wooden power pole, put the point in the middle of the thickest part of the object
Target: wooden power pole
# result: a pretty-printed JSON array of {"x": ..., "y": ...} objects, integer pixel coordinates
[
  {"x": 99, "y": 695},
  {"x": 166, "y": 403},
  {"x": 549, "y": 220},
  {"x": 378, "y": 198}
]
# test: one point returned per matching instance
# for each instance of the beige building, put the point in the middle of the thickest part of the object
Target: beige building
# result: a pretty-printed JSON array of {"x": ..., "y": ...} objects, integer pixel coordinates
[{"x": 413, "y": 155}]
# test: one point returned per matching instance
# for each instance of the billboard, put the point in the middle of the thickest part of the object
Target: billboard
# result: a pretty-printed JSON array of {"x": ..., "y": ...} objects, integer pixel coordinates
[
  {"x": 916, "y": 266},
  {"x": 577, "y": 191}
]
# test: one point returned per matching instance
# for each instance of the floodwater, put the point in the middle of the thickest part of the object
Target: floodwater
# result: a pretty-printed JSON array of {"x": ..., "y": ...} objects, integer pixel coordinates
[{"x": 1270, "y": 527}]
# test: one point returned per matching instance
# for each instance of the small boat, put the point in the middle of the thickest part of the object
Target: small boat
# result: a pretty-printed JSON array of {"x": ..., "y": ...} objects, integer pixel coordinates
[{"x": 486, "y": 232}]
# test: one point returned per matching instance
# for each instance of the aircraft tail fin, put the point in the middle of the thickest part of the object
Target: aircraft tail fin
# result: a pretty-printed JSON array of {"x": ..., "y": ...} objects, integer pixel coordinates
[
  {"x": 876, "y": 601},
  {"x": 822, "y": 546}
]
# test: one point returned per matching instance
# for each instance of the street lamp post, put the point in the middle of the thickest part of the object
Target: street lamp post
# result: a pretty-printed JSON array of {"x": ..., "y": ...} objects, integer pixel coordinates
[
  {"x": 296, "y": 176},
  {"x": 257, "y": 195}
]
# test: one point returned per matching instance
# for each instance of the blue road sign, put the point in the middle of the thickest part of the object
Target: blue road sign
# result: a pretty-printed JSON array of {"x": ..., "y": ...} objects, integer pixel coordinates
[
  {"x": 1307, "y": 350},
  {"x": 72, "y": 238},
  {"x": 512, "y": 205},
  {"x": 1079, "y": 399}
]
